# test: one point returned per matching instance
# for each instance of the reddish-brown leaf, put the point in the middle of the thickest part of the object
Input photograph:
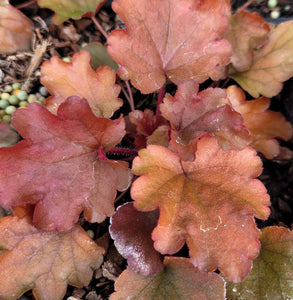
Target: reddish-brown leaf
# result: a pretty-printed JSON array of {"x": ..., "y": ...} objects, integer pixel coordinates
[
  {"x": 77, "y": 78},
  {"x": 248, "y": 32},
  {"x": 272, "y": 64},
  {"x": 209, "y": 203},
  {"x": 57, "y": 165},
  {"x": 75, "y": 9},
  {"x": 193, "y": 114},
  {"x": 16, "y": 30},
  {"x": 178, "y": 280},
  {"x": 45, "y": 262},
  {"x": 265, "y": 125},
  {"x": 131, "y": 230},
  {"x": 178, "y": 39},
  {"x": 272, "y": 272}
]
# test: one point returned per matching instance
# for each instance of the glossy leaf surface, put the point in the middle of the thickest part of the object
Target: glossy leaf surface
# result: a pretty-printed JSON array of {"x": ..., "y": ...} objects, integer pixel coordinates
[
  {"x": 178, "y": 39},
  {"x": 77, "y": 78},
  {"x": 131, "y": 230},
  {"x": 272, "y": 273},
  {"x": 192, "y": 114},
  {"x": 45, "y": 262},
  {"x": 265, "y": 125},
  {"x": 57, "y": 165},
  {"x": 178, "y": 280},
  {"x": 75, "y": 9},
  {"x": 272, "y": 64},
  {"x": 16, "y": 30},
  {"x": 209, "y": 203}
]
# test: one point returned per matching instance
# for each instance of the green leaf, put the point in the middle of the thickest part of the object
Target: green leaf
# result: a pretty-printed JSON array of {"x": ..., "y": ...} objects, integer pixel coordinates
[{"x": 272, "y": 273}]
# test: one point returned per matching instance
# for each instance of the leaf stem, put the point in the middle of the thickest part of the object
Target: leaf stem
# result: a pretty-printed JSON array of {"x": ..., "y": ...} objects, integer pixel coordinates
[
  {"x": 122, "y": 151},
  {"x": 131, "y": 101},
  {"x": 98, "y": 25},
  {"x": 160, "y": 100},
  {"x": 244, "y": 6}
]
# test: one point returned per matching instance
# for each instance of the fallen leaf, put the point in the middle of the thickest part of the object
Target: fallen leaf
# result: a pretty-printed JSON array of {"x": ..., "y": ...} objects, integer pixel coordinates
[
  {"x": 131, "y": 231},
  {"x": 178, "y": 280},
  {"x": 58, "y": 167},
  {"x": 74, "y": 9},
  {"x": 247, "y": 33},
  {"x": 77, "y": 78},
  {"x": 193, "y": 114},
  {"x": 272, "y": 272},
  {"x": 8, "y": 136},
  {"x": 45, "y": 262},
  {"x": 178, "y": 39},
  {"x": 265, "y": 125},
  {"x": 272, "y": 64},
  {"x": 16, "y": 30},
  {"x": 209, "y": 203}
]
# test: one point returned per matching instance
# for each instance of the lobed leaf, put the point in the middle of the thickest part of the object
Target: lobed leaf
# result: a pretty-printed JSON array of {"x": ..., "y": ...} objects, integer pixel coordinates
[
  {"x": 265, "y": 125},
  {"x": 16, "y": 30},
  {"x": 192, "y": 114},
  {"x": 131, "y": 231},
  {"x": 209, "y": 203},
  {"x": 272, "y": 273},
  {"x": 57, "y": 166},
  {"x": 178, "y": 39},
  {"x": 272, "y": 64},
  {"x": 247, "y": 33},
  {"x": 45, "y": 262},
  {"x": 75, "y": 9},
  {"x": 178, "y": 280},
  {"x": 77, "y": 78}
]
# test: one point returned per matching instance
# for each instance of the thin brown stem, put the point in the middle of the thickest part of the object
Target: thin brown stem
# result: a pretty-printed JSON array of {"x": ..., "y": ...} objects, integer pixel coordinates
[
  {"x": 100, "y": 28},
  {"x": 160, "y": 100},
  {"x": 244, "y": 6},
  {"x": 131, "y": 101},
  {"x": 26, "y": 4}
]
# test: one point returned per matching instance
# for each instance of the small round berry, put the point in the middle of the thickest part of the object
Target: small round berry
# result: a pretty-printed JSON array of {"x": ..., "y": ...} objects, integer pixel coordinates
[
  {"x": 16, "y": 85},
  {"x": 13, "y": 100},
  {"x": 43, "y": 91},
  {"x": 6, "y": 119},
  {"x": 32, "y": 98},
  {"x": 23, "y": 103},
  {"x": 8, "y": 88},
  {"x": 66, "y": 59},
  {"x": 22, "y": 95},
  {"x": 10, "y": 109},
  {"x": 275, "y": 14},
  {"x": 272, "y": 3},
  {"x": 5, "y": 96},
  {"x": 4, "y": 103}
]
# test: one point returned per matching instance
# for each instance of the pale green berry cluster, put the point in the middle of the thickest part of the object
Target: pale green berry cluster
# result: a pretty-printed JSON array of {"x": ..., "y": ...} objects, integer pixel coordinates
[{"x": 14, "y": 96}]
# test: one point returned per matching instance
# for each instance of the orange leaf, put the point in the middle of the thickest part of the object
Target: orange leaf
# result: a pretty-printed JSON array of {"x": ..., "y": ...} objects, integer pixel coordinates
[
  {"x": 178, "y": 280},
  {"x": 192, "y": 114},
  {"x": 57, "y": 165},
  {"x": 45, "y": 262},
  {"x": 272, "y": 272},
  {"x": 248, "y": 32},
  {"x": 77, "y": 78},
  {"x": 16, "y": 30},
  {"x": 265, "y": 125},
  {"x": 178, "y": 39},
  {"x": 272, "y": 64},
  {"x": 209, "y": 203},
  {"x": 75, "y": 9}
]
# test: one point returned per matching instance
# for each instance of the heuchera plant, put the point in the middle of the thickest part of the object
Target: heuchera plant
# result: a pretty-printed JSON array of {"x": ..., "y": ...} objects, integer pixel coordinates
[{"x": 194, "y": 160}]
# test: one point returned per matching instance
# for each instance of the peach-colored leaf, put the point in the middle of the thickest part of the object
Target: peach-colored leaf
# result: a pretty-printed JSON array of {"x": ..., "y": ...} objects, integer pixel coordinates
[
  {"x": 58, "y": 166},
  {"x": 75, "y": 9},
  {"x": 193, "y": 114},
  {"x": 178, "y": 39},
  {"x": 16, "y": 30},
  {"x": 272, "y": 272},
  {"x": 77, "y": 78},
  {"x": 209, "y": 203},
  {"x": 131, "y": 230},
  {"x": 272, "y": 64},
  {"x": 45, "y": 262},
  {"x": 247, "y": 32},
  {"x": 178, "y": 280},
  {"x": 265, "y": 125}
]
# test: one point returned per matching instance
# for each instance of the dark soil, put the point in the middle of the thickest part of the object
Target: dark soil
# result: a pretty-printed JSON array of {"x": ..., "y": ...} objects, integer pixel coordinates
[{"x": 67, "y": 39}]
